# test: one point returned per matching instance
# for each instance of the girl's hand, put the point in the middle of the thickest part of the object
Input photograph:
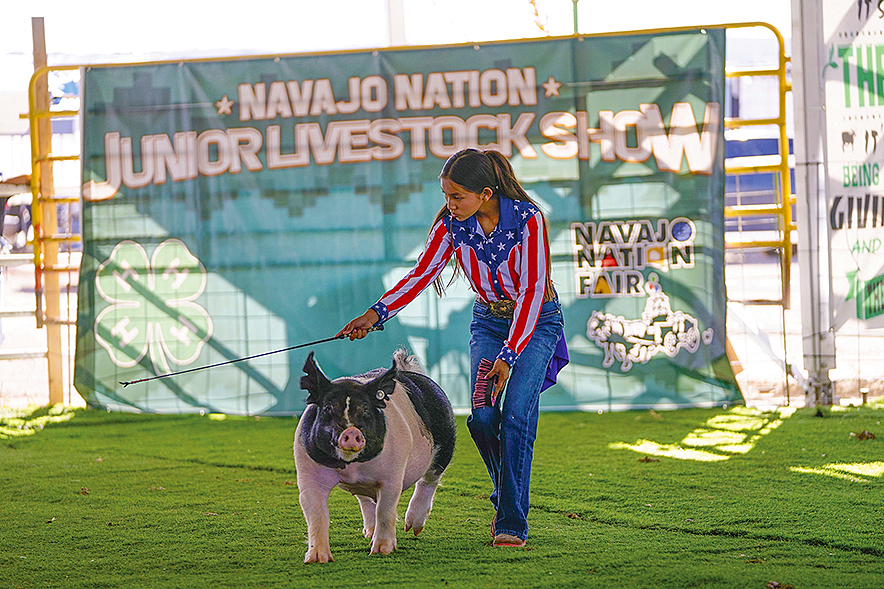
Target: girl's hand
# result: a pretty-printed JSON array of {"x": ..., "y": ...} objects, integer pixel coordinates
[
  {"x": 502, "y": 371},
  {"x": 358, "y": 328}
]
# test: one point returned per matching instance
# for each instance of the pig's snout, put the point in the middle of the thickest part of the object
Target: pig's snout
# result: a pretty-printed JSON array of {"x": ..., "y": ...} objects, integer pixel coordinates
[{"x": 351, "y": 440}]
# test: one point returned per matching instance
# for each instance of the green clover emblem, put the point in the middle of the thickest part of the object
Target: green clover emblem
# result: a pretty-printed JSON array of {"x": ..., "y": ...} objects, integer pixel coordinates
[{"x": 152, "y": 311}]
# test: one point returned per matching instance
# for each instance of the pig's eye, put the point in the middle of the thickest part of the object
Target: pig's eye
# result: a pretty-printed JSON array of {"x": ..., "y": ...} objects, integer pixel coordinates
[{"x": 380, "y": 395}]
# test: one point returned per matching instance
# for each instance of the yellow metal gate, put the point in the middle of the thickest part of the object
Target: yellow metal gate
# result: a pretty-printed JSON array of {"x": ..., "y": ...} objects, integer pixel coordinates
[{"x": 55, "y": 257}]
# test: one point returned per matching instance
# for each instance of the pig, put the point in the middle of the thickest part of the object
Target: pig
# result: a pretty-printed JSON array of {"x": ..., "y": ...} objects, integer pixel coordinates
[{"x": 374, "y": 435}]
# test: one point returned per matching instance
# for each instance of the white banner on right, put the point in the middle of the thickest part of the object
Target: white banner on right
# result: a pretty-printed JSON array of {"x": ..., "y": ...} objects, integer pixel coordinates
[{"x": 854, "y": 86}]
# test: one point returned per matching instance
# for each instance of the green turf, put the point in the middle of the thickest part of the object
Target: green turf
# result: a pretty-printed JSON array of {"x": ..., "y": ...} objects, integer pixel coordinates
[{"x": 714, "y": 498}]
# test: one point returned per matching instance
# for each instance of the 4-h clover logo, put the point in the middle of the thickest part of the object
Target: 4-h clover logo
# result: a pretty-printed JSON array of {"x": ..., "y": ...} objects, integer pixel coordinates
[{"x": 152, "y": 312}]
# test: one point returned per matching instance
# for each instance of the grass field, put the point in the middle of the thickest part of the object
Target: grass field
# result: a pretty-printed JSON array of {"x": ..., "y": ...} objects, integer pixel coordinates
[{"x": 688, "y": 498}]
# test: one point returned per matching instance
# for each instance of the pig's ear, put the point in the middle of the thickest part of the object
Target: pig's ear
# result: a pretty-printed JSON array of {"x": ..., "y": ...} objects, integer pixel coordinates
[
  {"x": 382, "y": 387},
  {"x": 315, "y": 382}
]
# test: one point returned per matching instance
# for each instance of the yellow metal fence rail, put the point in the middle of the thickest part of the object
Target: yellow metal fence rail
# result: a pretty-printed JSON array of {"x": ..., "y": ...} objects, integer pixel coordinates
[
  {"x": 778, "y": 165},
  {"x": 47, "y": 237}
]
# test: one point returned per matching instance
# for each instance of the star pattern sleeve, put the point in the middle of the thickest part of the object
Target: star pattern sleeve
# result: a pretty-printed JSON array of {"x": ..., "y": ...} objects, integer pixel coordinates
[{"x": 428, "y": 267}]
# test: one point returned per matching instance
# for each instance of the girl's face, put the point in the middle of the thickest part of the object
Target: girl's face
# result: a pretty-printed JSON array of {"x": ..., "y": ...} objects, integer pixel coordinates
[{"x": 461, "y": 203}]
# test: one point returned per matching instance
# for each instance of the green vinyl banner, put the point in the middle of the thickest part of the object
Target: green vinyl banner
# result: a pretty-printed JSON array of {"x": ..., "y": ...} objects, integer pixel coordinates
[{"x": 238, "y": 207}]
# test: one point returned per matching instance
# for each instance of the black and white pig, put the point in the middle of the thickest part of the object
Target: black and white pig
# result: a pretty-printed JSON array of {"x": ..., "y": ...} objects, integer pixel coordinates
[{"x": 374, "y": 435}]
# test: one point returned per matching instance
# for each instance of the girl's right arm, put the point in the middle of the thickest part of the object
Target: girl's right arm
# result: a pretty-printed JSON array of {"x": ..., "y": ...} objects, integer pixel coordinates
[{"x": 428, "y": 267}]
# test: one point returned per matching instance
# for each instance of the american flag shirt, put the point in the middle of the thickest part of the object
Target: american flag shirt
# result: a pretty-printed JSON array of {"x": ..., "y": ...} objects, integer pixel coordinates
[{"x": 509, "y": 263}]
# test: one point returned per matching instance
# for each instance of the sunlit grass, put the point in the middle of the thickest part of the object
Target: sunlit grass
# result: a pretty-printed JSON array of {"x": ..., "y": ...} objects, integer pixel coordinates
[
  {"x": 858, "y": 472},
  {"x": 16, "y": 423},
  {"x": 702, "y": 498},
  {"x": 721, "y": 436}
]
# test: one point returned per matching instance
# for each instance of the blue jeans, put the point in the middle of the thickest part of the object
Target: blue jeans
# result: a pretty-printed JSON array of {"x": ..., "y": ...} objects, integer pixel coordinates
[{"x": 505, "y": 433}]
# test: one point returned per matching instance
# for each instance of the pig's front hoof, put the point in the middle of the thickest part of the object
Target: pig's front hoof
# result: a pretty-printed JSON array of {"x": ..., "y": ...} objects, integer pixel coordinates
[
  {"x": 368, "y": 532},
  {"x": 315, "y": 555},
  {"x": 383, "y": 546},
  {"x": 417, "y": 528}
]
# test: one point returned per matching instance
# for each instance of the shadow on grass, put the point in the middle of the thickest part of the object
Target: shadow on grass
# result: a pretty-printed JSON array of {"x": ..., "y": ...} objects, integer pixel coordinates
[{"x": 93, "y": 499}]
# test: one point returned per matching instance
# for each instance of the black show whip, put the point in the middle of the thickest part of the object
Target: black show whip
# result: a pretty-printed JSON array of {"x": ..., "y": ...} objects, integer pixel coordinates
[{"x": 321, "y": 341}]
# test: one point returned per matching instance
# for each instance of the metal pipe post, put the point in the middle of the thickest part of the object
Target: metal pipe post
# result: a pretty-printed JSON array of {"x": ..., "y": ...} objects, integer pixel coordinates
[{"x": 818, "y": 336}]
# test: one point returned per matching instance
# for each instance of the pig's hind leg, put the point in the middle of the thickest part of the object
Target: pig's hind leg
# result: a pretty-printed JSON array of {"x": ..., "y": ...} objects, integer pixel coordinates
[
  {"x": 421, "y": 502},
  {"x": 368, "y": 507}
]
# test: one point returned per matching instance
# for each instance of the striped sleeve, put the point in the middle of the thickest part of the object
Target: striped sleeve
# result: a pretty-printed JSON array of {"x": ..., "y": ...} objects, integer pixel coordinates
[
  {"x": 531, "y": 288},
  {"x": 428, "y": 267}
]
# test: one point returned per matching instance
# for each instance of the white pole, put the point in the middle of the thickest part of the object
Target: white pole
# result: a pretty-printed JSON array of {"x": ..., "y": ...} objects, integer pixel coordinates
[
  {"x": 396, "y": 22},
  {"x": 818, "y": 336}
]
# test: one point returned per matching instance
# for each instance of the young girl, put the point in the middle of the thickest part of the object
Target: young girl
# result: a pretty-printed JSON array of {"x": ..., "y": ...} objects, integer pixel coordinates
[{"x": 499, "y": 238}]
